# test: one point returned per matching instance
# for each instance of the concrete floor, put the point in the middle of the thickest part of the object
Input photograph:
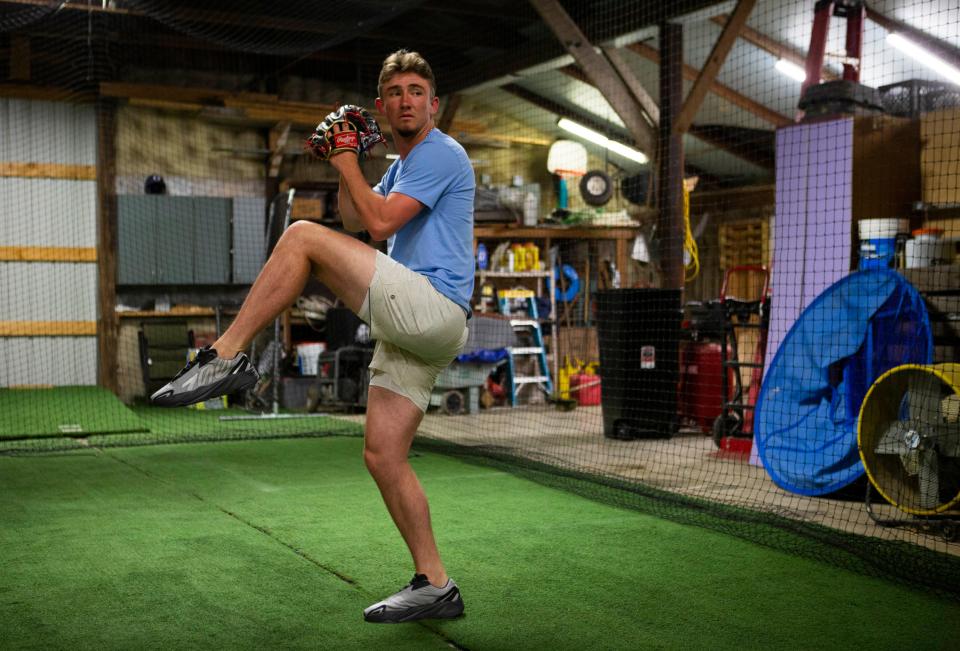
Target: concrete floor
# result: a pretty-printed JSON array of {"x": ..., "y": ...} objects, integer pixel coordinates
[{"x": 688, "y": 464}]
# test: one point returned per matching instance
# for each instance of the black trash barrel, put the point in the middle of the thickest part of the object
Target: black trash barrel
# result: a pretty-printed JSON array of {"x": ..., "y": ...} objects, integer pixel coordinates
[{"x": 639, "y": 341}]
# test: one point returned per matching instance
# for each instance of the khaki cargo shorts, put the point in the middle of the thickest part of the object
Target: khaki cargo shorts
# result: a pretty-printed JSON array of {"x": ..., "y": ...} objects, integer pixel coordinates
[{"x": 419, "y": 331}]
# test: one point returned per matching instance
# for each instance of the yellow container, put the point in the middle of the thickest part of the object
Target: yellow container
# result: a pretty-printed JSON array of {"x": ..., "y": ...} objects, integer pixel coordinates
[
  {"x": 533, "y": 256},
  {"x": 519, "y": 257}
]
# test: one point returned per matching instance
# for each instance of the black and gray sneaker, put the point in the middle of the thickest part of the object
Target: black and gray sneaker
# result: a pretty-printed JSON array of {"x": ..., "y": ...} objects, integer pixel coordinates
[
  {"x": 419, "y": 600},
  {"x": 207, "y": 376}
]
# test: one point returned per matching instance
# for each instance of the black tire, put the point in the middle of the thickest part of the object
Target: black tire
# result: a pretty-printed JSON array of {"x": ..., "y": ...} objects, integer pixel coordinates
[
  {"x": 596, "y": 188},
  {"x": 724, "y": 425},
  {"x": 453, "y": 403},
  {"x": 949, "y": 531}
]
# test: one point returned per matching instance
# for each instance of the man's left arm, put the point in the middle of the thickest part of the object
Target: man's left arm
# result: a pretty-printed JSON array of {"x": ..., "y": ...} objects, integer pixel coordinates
[{"x": 381, "y": 216}]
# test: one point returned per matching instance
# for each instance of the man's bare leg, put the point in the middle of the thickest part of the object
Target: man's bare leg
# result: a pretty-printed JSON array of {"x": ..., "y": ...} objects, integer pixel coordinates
[
  {"x": 392, "y": 420},
  {"x": 345, "y": 265}
]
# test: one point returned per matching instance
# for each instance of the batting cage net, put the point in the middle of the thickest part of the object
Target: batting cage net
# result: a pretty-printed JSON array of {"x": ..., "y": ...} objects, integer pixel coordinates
[{"x": 714, "y": 246}]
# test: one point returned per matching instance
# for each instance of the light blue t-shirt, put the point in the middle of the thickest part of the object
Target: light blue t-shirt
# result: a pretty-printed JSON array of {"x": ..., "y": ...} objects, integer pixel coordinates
[{"x": 438, "y": 241}]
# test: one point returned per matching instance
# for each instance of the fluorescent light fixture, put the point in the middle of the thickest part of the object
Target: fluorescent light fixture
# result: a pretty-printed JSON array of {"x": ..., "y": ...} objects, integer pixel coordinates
[
  {"x": 791, "y": 70},
  {"x": 602, "y": 140},
  {"x": 925, "y": 57},
  {"x": 393, "y": 156}
]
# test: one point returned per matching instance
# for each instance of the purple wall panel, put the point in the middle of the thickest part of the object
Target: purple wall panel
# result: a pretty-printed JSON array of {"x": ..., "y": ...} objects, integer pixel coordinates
[
  {"x": 812, "y": 228},
  {"x": 811, "y": 247}
]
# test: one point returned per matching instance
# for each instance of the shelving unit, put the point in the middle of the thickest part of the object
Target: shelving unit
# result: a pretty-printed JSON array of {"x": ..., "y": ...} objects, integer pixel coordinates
[{"x": 622, "y": 236}]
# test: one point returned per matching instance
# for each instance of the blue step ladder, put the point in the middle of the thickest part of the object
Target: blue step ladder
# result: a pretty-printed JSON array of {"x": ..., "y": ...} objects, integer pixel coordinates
[{"x": 529, "y": 328}]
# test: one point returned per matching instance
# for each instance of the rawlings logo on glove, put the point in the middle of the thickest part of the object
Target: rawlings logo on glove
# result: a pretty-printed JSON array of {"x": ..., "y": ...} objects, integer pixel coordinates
[{"x": 349, "y": 128}]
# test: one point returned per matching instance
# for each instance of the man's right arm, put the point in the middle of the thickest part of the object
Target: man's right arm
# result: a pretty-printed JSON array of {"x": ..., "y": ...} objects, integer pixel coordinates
[{"x": 348, "y": 210}]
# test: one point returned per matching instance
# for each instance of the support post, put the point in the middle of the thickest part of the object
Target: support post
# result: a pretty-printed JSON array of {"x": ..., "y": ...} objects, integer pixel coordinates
[
  {"x": 450, "y": 110},
  {"x": 670, "y": 224},
  {"x": 856, "y": 17},
  {"x": 822, "y": 12},
  {"x": 107, "y": 322}
]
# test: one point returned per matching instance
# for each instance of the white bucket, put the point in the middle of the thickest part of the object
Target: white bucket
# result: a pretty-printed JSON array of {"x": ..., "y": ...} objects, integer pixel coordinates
[
  {"x": 308, "y": 355},
  {"x": 878, "y": 241},
  {"x": 928, "y": 249}
]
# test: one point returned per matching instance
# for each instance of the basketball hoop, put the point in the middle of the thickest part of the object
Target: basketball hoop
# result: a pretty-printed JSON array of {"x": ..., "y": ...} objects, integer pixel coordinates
[{"x": 567, "y": 159}]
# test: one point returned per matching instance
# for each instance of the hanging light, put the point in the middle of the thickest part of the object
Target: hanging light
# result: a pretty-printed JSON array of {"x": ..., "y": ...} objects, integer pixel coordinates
[
  {"x": 924, "y": 56},
  {"x": 791, "y": 70},
  {"x": 600, "y": 139}
]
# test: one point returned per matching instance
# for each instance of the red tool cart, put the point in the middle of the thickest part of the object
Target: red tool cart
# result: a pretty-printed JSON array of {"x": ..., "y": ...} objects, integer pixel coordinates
[{"x": 733, "y": 428}]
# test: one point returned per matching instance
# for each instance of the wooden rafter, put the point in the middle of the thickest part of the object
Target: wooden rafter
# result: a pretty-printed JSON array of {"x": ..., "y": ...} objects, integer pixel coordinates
[
  {"x": 268, "y": 109},
  {"x": 729, "y": 94},
  {"x": 450, "y": 110},
  {"x": 600, "y": 72},
  {"x": 774, "y": 47},
  {"x": 586, "y": 120},
  {"x": 707, "y": 135},
  {"x": 650, "y": 109},
  {"x": 556, "y": 108},
  {"x": 715, "y": 61},
  {"x": 278, "y": 140}
]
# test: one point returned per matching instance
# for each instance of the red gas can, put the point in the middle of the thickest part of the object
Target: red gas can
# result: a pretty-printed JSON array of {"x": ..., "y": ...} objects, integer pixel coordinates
[
  {"x": 701, "y": 383},
  {"x": 588, "y": 389}
]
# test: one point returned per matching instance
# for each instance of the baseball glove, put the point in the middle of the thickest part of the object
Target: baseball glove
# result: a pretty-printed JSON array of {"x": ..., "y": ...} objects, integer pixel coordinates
[{"x": 349, "y": 128}]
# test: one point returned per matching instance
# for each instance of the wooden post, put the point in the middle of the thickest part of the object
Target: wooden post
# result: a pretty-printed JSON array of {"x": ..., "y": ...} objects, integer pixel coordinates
[
  {"x": 107, "y": 322},
  {"x": 670, "y": 224},
  {"x": 450, "y": 110}
]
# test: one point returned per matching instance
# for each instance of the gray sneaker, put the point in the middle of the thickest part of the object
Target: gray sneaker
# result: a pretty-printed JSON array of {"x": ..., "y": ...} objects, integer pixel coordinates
[
  {"x": 419, "y": 600},
  {"x": 207, "y": 376}
]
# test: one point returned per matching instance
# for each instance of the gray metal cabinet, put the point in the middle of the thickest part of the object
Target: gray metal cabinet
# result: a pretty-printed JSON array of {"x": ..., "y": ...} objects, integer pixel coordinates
[
  {"x": 136, "y": 240},
  {"x": 165, "y": 240},
  {"x": 211, "y": 240},
  {"x": 249, "y": 239},
  {"x": 174, "y": 240}
]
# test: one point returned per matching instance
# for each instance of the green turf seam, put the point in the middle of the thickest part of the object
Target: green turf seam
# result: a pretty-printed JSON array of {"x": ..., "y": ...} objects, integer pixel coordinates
[
  {"x": 277, "y": 539},
  {"x": 897, "y": 561},
  {"x": 46, "y": 445}
]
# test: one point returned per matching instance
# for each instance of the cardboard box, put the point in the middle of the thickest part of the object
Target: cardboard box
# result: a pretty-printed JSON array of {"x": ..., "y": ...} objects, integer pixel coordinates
[
  {"x": 940, "y": 156},
  {"x": 308, "y": 208},
  {"x": 886, "y": 166}
]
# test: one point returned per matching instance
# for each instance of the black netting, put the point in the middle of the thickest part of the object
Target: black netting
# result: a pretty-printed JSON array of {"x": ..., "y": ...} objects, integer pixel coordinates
[{"x": 699, "y": 280}]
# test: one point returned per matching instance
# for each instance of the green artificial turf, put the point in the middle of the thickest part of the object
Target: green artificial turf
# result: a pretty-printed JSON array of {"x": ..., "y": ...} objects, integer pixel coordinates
[
  {"x": 280, "y": 544},
  {"x": 29, "y": 422},
  {"x": 76, "y": 411}
]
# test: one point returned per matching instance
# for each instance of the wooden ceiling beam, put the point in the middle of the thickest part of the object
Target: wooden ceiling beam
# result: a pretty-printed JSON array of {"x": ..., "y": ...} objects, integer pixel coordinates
[
  {"x": 559, "y": 109},
  {"x": 708, "y": 74},
  {"x": 450, "y": 109},
  {"x": 774, "y": 47},
  {"x": 601, "y": 73},
  {"x": 50, "y": 93},
  {"x": 640, "y": 95},
  {"x": 699, "y": 133},
  {"x": 278, "y": 140},
  {"x": 732, "y": 96}
]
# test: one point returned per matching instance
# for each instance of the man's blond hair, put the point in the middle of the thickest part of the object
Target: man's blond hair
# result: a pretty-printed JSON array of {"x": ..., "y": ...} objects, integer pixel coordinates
[{"x": 405, "y": 61}]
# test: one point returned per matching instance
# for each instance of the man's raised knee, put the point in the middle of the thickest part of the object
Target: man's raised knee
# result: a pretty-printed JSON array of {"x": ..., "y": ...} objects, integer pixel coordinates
[{"x": 380, "y": 464}]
